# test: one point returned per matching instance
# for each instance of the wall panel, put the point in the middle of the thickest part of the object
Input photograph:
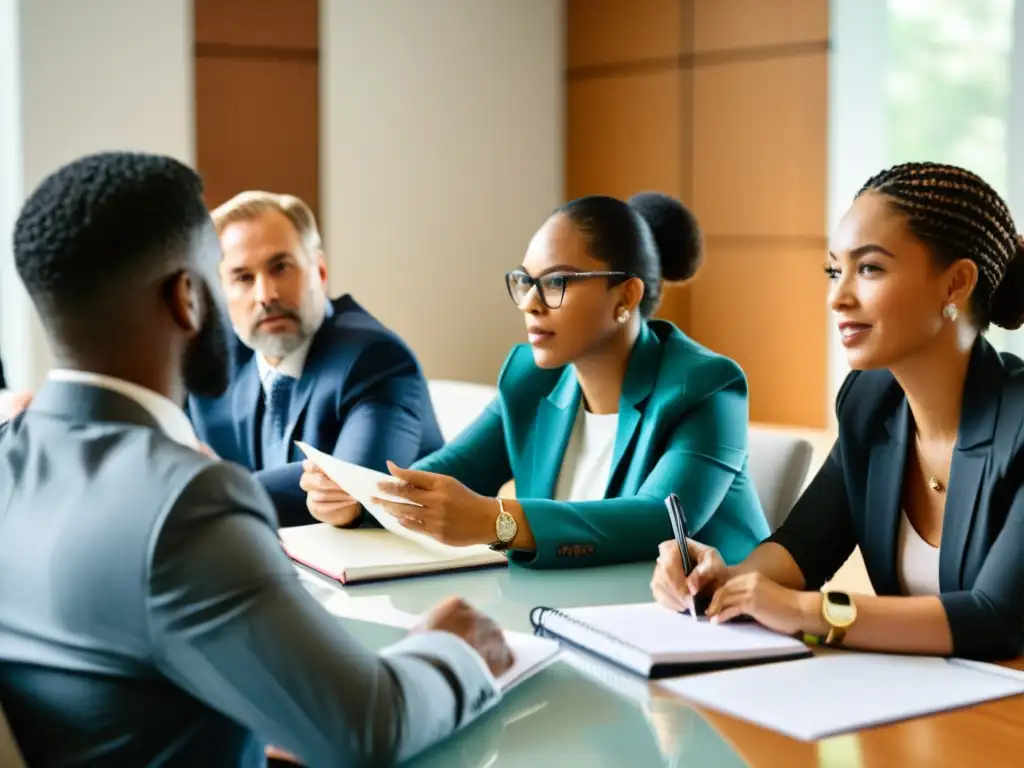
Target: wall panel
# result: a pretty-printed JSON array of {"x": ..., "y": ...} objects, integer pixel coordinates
[
  {"x": 603, "y": 32},
  {"x": 245, "y": 140},
  {"x": 760, "y": 127},
  {"x": 257, "y": 84},
  {"x": 623, "y": 134},
  {"x": 721, "y": 25},
  {"x": 723, "y": 103},
  {"x": 744, "y": 307}
]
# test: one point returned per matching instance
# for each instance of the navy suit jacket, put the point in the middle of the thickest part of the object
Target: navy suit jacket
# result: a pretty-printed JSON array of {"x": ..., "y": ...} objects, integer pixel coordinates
[{"x": 362, "y": 397}]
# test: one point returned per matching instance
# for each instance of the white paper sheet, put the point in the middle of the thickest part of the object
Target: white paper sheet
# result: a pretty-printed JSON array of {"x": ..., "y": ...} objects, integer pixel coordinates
[
  {"x": 837, "y": 693},
  {"x": 364, "y": 485}
]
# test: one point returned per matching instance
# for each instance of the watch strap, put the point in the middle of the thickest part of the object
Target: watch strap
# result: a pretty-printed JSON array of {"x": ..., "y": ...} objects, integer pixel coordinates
[{"x": 835, "y": 636}]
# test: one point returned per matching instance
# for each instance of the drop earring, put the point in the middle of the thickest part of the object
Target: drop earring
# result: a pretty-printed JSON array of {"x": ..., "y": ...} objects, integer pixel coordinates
[
  {"x": 950, "y": 312},
  {"x": 623, "y": 315}
]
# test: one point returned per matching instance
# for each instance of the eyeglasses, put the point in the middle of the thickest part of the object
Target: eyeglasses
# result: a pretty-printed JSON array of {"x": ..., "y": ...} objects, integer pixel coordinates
[{"x": 551, "y": 288}]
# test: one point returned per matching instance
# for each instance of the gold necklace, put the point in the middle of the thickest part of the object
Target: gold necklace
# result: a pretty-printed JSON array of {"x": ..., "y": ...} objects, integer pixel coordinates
[{"x": 933, "y": 481}]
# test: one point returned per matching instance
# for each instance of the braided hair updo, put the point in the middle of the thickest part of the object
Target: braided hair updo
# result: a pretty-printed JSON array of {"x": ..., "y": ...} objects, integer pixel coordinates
[{"x": 958, "y": 215}]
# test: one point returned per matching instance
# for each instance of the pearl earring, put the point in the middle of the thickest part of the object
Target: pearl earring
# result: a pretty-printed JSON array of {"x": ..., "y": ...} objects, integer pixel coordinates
[
  {"x": 623, "y": 315},
  {"x": 950, "y": 312}
]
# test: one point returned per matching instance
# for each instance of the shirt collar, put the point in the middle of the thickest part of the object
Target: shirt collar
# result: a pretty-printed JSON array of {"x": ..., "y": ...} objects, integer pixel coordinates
[{"x": 171, "y": 418}]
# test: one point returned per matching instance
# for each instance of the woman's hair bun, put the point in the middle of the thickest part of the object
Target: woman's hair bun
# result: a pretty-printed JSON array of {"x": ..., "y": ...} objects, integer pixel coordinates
[
  {"x": 1007, "y": 310},
  {"x": 676, "y": 233}
]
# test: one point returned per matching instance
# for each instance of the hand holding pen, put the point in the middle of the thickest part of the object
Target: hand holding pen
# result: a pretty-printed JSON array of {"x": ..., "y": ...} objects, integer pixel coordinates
[{"x": 688, "y": 572}]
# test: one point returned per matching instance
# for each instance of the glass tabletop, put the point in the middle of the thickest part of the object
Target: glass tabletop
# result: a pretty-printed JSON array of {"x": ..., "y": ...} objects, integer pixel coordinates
[
  {"x": 507, "y": 594},
  {"x": 579, "y": 711}
]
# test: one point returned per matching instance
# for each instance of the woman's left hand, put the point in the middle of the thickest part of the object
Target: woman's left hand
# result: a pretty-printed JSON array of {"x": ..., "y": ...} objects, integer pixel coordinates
[
  {"x": 449, "y": 512},
  {"x": 768, "y": 603}
]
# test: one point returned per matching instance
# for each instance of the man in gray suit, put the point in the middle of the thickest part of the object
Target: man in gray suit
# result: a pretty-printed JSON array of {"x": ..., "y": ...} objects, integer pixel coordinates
[{"x": 148, "y": 615}]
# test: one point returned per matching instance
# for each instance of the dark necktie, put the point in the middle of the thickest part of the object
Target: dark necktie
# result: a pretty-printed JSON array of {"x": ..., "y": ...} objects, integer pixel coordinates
[{"x": 275, "y": 420}]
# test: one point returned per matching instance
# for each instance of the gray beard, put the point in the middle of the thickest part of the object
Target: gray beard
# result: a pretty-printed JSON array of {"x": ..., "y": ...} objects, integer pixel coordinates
[{"x": 278, "y": 345}]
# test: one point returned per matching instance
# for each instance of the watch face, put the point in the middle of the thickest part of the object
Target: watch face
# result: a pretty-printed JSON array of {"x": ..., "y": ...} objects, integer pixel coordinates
[
  {"x": 506, "y": 527},
  {"x": 840, "y": 609}
]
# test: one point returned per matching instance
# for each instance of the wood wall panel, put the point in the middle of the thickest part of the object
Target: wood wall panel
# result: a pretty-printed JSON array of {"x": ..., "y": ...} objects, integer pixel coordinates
[
  {"x": 623, "y": 135},
  {"x": 604, "y": 32},
  {"x": 764, "y": 305},
  {"x": 759, "y": 132},
  {"x": 721, "y": 25},
  {"x": 633, "y": 123},
  {"x": 257, "y": 86},
  {"x": 258, "y": 126},
  {"x": 282, "y": 24},
  {"x": 723, "y": 103}
]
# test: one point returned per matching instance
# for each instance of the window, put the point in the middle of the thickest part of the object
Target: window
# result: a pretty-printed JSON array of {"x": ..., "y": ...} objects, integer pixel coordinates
[{"x": 947, "y": 92}]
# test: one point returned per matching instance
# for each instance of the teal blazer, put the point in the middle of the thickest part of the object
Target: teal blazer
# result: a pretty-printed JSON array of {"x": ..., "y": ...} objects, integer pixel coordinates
[{"x": 682, "y": 428}]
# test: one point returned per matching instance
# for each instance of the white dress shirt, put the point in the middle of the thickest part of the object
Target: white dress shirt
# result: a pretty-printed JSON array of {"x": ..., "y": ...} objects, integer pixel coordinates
[{"x": 171, "y": 418}]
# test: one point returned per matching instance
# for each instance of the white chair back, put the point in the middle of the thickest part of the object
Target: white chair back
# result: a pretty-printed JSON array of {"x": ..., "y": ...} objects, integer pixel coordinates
[
  {"x": 458, "y": 404},
  {"x": 10, "y": 755},
  {"x": 778, "y": 466}
]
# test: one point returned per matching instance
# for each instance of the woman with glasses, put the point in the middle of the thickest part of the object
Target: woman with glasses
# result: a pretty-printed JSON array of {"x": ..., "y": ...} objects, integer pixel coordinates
[{"x": 602, "y": 414}]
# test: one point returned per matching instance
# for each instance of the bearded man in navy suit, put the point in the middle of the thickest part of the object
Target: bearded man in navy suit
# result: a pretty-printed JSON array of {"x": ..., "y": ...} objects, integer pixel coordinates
[{"x": 306, "y": 368}]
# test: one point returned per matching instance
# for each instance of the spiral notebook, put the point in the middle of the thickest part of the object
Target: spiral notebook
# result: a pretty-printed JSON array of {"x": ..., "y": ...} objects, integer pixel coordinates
[{"x": 655, "y": 642}]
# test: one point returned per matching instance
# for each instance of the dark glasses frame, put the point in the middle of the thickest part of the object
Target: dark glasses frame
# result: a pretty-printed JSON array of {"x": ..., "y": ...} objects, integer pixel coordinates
[{"x": 536, "y": 283}]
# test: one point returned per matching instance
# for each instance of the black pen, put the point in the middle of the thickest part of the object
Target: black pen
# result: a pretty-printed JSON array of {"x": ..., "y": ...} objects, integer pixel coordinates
[{"x": 682, "y": 533}]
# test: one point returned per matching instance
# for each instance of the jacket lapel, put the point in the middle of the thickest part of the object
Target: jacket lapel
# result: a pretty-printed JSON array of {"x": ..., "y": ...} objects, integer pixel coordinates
[
  {"x": 555, "y": 419},
  {"x": 245, "y": 404},
  {"x": 971, "y": 455},
  {"x": 641, "y": 373},
  {"x": 884, "y": 496}
]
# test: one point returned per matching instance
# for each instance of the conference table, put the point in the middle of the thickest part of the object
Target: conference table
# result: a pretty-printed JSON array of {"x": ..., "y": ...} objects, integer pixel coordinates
[{"x": 580, "y": 711}]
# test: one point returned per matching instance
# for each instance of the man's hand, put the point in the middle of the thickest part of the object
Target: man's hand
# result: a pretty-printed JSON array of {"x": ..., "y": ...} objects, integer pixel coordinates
[
  {"x": 459, "y": 618},
  {"x": 325, "y": 500}
]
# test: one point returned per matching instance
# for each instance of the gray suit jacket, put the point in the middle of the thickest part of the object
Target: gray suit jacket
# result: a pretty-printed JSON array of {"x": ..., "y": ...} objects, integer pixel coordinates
[{"x": 148, "y": 615}]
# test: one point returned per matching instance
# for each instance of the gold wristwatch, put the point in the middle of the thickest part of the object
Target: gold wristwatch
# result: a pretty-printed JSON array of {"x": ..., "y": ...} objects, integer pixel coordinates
[
  {"x": 505, "y": 528},
  {"x": 839, "y": 612}
]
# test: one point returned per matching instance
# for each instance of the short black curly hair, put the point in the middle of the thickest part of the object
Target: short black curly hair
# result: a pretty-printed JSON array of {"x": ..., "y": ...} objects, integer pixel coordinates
[{"x": 102, "y": 219}]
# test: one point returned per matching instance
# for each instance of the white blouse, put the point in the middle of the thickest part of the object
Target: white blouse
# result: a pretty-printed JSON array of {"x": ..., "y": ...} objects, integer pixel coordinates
[
  {"x": 918, "y": 561},
  {"x": 588, "y": 457}
]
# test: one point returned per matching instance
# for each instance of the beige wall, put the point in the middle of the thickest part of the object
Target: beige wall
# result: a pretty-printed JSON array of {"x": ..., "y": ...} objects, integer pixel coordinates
[
  {"x": 441, "y": 139},
  {"x": 73, "y": 81}
]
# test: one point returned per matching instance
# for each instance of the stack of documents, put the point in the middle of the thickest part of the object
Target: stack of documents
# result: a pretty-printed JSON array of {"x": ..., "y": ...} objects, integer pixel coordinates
[{"x": 366, "y": 554}]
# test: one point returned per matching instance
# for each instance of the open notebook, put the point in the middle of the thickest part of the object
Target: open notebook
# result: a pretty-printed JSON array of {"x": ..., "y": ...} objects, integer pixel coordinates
[
  {"x": 368, "y": 554},
  {"x": 654, "y": 642}
]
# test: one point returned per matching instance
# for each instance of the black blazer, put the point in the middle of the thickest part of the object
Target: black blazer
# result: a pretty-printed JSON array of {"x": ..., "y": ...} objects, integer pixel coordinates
[
  {"x": 3, "y": 382},
  {"x": 855, "y": 500}
]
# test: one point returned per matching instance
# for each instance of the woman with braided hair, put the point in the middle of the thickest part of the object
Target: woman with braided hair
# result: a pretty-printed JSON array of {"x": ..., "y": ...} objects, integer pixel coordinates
[{"x": 927, "y": 474}]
